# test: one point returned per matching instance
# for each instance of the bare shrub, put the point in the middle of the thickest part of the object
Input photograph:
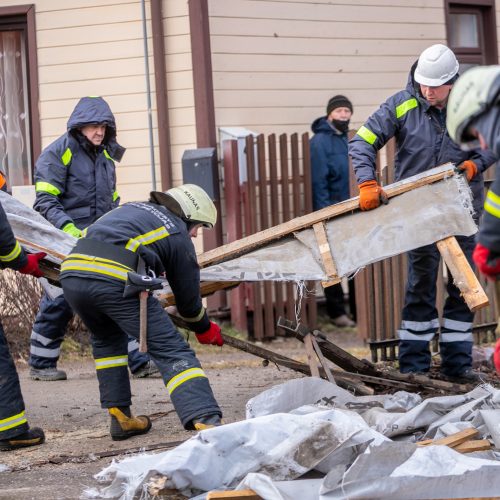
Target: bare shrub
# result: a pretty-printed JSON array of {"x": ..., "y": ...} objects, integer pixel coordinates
[{"x": 19, "y": 302}]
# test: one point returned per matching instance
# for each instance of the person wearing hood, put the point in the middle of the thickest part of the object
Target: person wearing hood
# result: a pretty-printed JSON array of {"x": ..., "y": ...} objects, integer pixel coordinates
[
  {"x": 330, "y": 184},
  {"x": 75, "y": 184},
  {"x": 416, "y": 118},
  {"x": 474, "y": 121}
]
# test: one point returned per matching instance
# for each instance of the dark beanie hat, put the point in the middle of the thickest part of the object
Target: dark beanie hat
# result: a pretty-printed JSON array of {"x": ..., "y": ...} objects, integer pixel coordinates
[{"x": 338, "y": 101}]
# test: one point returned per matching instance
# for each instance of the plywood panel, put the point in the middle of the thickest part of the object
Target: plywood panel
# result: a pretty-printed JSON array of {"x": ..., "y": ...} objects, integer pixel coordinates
[
  {"x": 92, "y": 15},
  {"x": 91, "y": 86},
  {"x": 318, "y": 80},
  {"x": 81, "y": 70},
  {"x": 325, "y": 12},
  {"x": 307, "y": 64},
  {"x": 296, "y": 28},
  {"x": 70, "y": 54}
]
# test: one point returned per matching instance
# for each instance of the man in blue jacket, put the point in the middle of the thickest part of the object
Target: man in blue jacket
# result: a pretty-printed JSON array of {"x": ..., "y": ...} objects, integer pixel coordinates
[
  {"x": 416, "y": 117},
  {"x": 14, "y": 429},
  {"x": 75, "y": 182},
  {"x": 330, "y": 183}
]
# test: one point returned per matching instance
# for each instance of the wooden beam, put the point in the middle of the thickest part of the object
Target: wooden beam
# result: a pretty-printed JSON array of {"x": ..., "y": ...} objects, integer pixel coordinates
[
  {"x": 473, "y": 445},
  {"x": 233, "y": 495},
  {"x": 463, "y": 275},
  {"x": 325, "y": 251},
  {"x": 453, "y": 439},
  {"x": 256, "y": 240}
]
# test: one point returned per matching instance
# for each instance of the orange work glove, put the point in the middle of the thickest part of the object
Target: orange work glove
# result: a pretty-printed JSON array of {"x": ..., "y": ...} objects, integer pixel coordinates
[
  {"x": 371, "y": 195},
  {"x": 32, "y": 267},
  {"x": 468, "y": 168}
]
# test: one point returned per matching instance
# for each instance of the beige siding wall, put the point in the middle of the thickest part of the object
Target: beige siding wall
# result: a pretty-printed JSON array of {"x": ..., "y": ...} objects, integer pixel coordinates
[
  {"x": 179, "y": 82},
  {"x": 95, "y": 47},
  {"x": 276, "y": 63}
]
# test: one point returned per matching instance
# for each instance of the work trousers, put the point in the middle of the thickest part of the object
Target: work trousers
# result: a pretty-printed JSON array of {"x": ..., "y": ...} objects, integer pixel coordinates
[
  {"x": 12, "y": 418},
  {"x": 334, "y": 296},
  {"x": 420, "y": 319},
  {"x": 110, "y": 317},
  {"x": 48, "y": 333}
]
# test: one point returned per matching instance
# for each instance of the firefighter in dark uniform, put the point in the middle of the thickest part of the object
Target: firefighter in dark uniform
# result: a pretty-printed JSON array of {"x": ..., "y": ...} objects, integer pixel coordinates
[
  {"x": 416, "y": 118},
  {"x": 145, "y": 239},
  {"x": 75, "y": 183},
  {"x": 474, "y": 121},
  {"x": 14, "y": 429}
]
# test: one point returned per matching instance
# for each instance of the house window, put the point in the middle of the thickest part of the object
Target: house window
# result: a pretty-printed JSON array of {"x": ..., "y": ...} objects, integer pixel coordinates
[
  {"x": 472, "y": 32},
  {"x": 19, "y": 120}
]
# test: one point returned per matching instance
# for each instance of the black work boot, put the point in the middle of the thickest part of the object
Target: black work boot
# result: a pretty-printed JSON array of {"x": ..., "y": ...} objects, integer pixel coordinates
[
  {"x": 124, "y": 425},
  {"x": 32, "y": 437},
  {"x": 47, "y": 374},
  {"x": 207, "y": 422},
  {"x": 468, "y": 376}
]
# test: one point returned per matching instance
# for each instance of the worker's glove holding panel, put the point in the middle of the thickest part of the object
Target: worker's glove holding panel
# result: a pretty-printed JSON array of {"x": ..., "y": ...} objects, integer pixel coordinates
[
  {"x": 32, "y": 266},
  {"x": 71, "y": 229},
  {"x": 496, "y": 357},
  {"x": 468, "y": 168},
  {"x": 211, "y": 336},
  {"x": 371, "y": 195},
  {"x": 487, "y": 263}
]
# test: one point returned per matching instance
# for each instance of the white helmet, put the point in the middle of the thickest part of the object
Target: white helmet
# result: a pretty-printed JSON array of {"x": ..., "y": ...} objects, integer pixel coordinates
[
  {"x": 190, "y": 202},
  {"x": 474, "y": 94},
  {"x": 436, "y": 65}
]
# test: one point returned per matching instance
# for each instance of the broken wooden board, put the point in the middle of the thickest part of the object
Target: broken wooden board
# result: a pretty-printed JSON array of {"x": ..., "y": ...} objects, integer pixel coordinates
[
  {"x": 461, "y": 441},
  {"x": 233, "y": 495}
]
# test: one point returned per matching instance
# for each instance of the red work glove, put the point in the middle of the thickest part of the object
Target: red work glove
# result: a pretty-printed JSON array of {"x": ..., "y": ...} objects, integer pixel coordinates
[
  {"x": 488, "y": 264},
  {"x": 468, "y": 168},
  {"x": 211, "y": 336},
  {"x": 371, "y": 195},
  {"x": 496, "y": 357},
  {"x": 31, "y": 266}
]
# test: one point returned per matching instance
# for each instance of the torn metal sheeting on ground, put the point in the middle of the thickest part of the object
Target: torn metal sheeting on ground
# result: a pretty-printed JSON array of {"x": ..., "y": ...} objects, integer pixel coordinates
[{"x": 310, "y": 424}]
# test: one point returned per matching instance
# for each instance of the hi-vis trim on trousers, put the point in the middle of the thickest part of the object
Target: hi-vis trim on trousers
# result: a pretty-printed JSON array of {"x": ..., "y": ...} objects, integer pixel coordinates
[
  {"x": 111, "y": 362},
  {"x": 184, "y": 376},
  {"x": 15, "y": 421}
]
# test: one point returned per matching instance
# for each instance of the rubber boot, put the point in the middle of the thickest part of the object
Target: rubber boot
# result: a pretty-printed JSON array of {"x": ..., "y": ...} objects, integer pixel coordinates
[
  {"x": 124, "y": 425},
  {"x": 32, "y": 437},
  {"x": 207, "y": 422}
]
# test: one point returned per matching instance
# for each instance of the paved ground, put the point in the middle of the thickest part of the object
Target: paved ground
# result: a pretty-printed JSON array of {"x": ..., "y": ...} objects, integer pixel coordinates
[{"x": 77, "y": 428}]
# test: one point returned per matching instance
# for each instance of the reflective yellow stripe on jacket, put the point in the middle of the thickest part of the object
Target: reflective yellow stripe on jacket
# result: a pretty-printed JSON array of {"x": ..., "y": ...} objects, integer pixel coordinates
[
  {"x": 11, "y": 422},
  {"x": 88, "y": 263},
  {"x": 183, "y": 377},
  {"x": 14, "y": 254},
  {"x": 147, "y": 238},
  {"x": 111, "y": 362},
  {"x": 492, "y": 204}
]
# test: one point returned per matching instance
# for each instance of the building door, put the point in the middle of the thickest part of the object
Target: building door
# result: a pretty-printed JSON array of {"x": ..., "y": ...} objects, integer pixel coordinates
[{"x": 19, "y": 121}]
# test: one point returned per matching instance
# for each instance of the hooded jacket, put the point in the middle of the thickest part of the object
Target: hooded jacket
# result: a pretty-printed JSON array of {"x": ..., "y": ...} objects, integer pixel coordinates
[
  {"x": 75, "y": 181},
  {"x": 329, "y": 164},
  {"x": 422, "y": 141}
]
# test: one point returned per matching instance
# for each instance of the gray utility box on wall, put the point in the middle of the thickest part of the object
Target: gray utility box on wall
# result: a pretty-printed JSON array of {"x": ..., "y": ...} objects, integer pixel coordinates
[{"x": 199, "y": 166}]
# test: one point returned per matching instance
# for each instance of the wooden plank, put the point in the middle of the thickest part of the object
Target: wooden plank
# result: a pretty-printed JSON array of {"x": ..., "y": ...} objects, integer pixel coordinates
[
  {"x": 322, "y": 360},
  {"x": 251, "y": 242},
  {"x": 464, "y": 277},
  {"x": 452, "y": 440},
  {"x": 325, "y": 250},
  {"x": 311, "y": 356},
  {"x": 233, "y": 494},
  {"x": 473, "y": 445}
]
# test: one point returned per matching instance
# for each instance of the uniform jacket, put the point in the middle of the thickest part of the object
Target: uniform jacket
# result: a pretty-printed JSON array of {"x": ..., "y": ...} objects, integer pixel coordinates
[
  {"x": 76, "y": 181},
  {"x": 329, "y": 164},
  {"x": 422, "y": 141},
  {"x": 11, "y": 253},
  {"x": 162, "y": 240},
  {"x": 489, "y": 235}
]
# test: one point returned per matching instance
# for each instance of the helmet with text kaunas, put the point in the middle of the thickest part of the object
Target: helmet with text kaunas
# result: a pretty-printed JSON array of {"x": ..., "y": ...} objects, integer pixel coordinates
[
  {"x": 437, "y": 65},
  {"x": 190, "y": 202},
  {"x": 474, "y": 94}
]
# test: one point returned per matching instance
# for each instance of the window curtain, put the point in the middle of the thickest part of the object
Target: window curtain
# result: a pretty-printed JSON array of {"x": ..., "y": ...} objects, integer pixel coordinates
[{"x": 15, "y": 158}]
